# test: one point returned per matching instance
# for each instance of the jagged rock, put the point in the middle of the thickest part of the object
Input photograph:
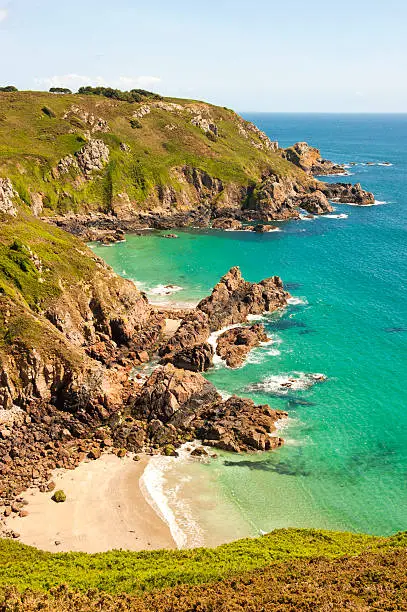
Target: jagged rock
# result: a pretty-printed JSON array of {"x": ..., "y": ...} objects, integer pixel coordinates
[
  {"x": 193, "y": 331},
  {"x": 93, "y": 156},
  {"x": 246, "y": 128},
  {"x": 233, "y": 299},
  {"x": 346, "y": 193},
  {"x": 37, "y": 203},
  {"x": 226, "y": 223},
  {"x": 207, "y": 125},
  {"x": 309, "y": 159},
  {"x": 96, "y": 124},
  {"x": 273, "y": 199},
  {"x": 142, "y": 111},
  {"x": 7, "y": 197},
  {"x": 169, "y": 392},
  {"x": 198, "y": 358},
  {"x": 316, "y": 203},
  {"x": 238, "y": 425},
  {"x": 66, "y": 164},
  {"x": 262, "y": 228},
  {"x": 234, "y": 344}
]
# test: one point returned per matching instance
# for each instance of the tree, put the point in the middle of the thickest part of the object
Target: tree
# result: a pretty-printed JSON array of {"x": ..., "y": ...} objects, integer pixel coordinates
[
  {"x": 8, "y": 88},
  {"x": 61, "y": 90}
]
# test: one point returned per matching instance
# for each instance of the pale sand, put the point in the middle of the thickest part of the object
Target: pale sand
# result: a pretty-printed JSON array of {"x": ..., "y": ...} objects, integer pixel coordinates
[
  {"x": 171, "y": 326},
  {"x": 104, "y": 510}
]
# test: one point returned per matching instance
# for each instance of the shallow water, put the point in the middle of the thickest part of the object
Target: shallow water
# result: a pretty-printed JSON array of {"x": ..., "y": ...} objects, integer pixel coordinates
[{"x": 344, "y": 465}]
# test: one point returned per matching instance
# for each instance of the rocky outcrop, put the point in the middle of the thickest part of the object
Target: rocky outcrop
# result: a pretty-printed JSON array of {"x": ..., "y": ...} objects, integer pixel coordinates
[
  {"x": 93, "y": 156},
  {"x": 233, "y": 299},
  {"x": 227, "y": 223},
  {"x": 264, "y": 143},
  {"x": 205, "y": 124},
  {"x": 170, "y": 393},
  {"x": 94, "y": 123},
  {"x": 309, "y": 159},
  {"x": 234, "y": 345},
  {"x": 274, "y": 198},
  {"x": 316, "y": 203},
  {"x": 183, "y": 404},
  {"x": 7, "y": 197},
  {"x": 346, "y": 193},
  {"x": 238, "y": 425}
]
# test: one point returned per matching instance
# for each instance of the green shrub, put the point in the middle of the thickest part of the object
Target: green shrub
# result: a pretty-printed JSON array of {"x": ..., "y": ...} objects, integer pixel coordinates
[
  {"x": 135, "y": 123},
  {"x": 8, "y": 88},
  {"x": 62, "y": 90},
  {"x": 48, "y": 111},
  {"x": 59, "y": 496}
]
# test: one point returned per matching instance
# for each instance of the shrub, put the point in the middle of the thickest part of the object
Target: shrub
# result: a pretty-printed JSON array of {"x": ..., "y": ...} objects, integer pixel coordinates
[
  {"x": 135, "y": 95},
  {"x": 61, "y": 90},
  {"x": 8, "y": 88},
  {"x": 48, "y": 111},
  {"x": 59, "y": 496},
  {"x": 135, "y": 123}
]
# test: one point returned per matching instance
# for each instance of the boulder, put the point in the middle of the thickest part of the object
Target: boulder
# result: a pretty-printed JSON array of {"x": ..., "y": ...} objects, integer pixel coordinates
[
  {"x": 309, "y": 159},
  {"x": 235, "y": 344},
  {"x": 170, "y": 390},
  {"x": 238, "y": 425},
  {"x": 316, "y": 203},
  {"x": 225, "y": 223},
  {"x": 233, "y": 299},
  {"x": 346, "y": 193},
  {"x": 262, "y": 228}
]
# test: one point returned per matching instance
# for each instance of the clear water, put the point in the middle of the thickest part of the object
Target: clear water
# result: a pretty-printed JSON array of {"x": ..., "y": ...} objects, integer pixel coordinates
[{"x": 344, "y": 465}]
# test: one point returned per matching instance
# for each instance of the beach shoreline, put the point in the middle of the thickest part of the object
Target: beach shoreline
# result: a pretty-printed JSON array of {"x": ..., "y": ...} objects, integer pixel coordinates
[{"x": 105, "y": 509}]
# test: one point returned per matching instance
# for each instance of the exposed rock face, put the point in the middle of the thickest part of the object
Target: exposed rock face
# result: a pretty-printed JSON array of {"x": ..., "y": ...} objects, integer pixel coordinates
[
  {"x": 66, "y": 164},
  {"x": 174, "y": 401},
  {"x": 226, "y": 223},
  {"x": 316, "y": 203},
  {"x": 309, "y": 159},
  {"x": 206, "y": 124},
  {"x": 238, "y": 425},
  {"x": 170, "y": 391},
  {"x": 7, "y": 197},
  {"x": 233, "y": 299},
  {"x": 37, "y": 203},
  {"x": 96, "y": 124},
  {"x": 246, "y": 129},
  {"x": 346, "y": 193},
  {"x": 93, "y": 156},
  {"x": 273, "y": 199},
  {"x": 142, "y": 111},
  {"x": 235, "y": 344}
]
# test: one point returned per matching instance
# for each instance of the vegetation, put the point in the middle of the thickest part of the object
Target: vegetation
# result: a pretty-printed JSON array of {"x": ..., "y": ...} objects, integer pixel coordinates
[
  {"x": 134, "y": 95},
  {"x": 285, "y": 568},
  {"x": 33, "y": 141},
  {"x": 59, "y": 496},
  {"x": 62, "y": 90},
  {"x": 8, "y": 88}
]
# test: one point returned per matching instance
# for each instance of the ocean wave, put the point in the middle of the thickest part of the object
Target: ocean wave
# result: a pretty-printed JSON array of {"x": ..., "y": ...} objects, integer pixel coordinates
[
  {"x": 375, "y": 203},
  {"x": 281, "y": 384},
  {"x": 164, "y": 289},
  {"x": 297, "y": 301},
  {"x": 340, "y": 216},
  {"x": 168, "y": 503}
]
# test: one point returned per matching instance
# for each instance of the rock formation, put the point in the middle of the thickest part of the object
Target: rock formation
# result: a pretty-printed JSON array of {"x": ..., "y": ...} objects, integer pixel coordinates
[
  {"x": 309, "y": 159},
  {"x": 346, "y": 193},
  {"x": 7, "y": 197},
  {"x": 234, "y": 344},
  {"x": 231, "y": 301}
]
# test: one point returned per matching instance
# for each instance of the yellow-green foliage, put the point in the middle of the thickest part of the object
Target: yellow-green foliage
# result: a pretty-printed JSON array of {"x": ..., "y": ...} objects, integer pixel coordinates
[
  {"x": 136, "y": 572},
  {"x": 34, "y": 136}
]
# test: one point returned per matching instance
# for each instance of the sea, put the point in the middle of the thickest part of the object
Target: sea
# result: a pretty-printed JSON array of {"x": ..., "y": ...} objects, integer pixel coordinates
[{"x": 344, "y": 462}]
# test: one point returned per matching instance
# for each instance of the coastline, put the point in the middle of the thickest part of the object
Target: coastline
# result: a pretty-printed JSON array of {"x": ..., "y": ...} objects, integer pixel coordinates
[{"x": 105, "y": 509}]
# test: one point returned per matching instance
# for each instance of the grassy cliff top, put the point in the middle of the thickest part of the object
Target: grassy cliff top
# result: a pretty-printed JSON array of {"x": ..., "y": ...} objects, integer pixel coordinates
[
  {"x": 147, "y": 140},
  {"x": 136, "y": 572}
]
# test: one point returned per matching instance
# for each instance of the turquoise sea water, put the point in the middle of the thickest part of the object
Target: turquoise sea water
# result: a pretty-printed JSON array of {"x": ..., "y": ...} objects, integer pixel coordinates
[{"x": 344, "y": 465}]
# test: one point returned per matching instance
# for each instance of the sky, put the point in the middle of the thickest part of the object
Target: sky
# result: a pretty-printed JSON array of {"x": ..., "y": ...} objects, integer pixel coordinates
[{"x": 285, "y": 56}]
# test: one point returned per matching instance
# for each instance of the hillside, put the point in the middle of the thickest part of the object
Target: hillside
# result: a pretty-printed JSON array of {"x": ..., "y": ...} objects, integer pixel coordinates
[{"x": 285, "y": 570}]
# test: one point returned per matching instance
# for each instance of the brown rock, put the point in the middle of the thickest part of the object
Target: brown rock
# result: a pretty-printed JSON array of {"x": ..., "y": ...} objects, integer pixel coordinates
[
  {"x": 234, "y": 344},
  {"x": 346, "y": 193},
  {"x": 23, "y": 513},
  {"x": 262, "y": 228},
  {"x": 94, "y": 453},
  {"x": 225, "y": 223},
  {"x": 316, "y": 203}
]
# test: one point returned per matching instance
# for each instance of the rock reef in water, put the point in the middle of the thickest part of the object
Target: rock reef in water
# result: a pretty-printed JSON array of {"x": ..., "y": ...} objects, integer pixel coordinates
[
  {"x": 309, "y": 159},
  {"x": 235, "y": 344}
]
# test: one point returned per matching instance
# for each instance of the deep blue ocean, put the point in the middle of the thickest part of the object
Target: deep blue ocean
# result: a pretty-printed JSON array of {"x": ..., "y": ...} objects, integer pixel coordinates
[{"x": 344, "y": 465}]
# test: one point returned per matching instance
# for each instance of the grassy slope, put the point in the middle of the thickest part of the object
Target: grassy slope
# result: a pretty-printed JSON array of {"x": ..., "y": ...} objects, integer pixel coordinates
[
  {"x": 133, "y": 572},
  {"x": 32, "y": 143}
]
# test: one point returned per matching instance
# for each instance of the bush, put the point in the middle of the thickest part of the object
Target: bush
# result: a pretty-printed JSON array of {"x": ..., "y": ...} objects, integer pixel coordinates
[
  {"x": 135, "y": 95},
  {"x": 48, "y": 111},
  {"x": 8, "y": 88},
  {"x": 135, "y": 123},
  {"x": 61, "y": 90},
  {"x": 59, "y": 497}
]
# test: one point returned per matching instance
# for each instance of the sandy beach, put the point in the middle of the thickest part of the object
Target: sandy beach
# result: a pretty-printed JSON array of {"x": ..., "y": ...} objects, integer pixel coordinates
[{"x": 104, "y": 510}]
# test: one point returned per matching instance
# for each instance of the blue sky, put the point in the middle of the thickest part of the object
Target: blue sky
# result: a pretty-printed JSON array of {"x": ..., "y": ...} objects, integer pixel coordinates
[{"x": 262, "y": 55}]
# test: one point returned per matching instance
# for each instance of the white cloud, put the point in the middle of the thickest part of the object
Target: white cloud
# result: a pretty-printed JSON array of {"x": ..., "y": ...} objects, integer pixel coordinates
[
  {"x": 3, "y": 14},
  {"x": 74, "y": 81}
]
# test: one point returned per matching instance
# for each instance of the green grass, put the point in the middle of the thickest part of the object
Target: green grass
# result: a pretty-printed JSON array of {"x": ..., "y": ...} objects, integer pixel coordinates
[
  {"x": 33, "y": 141},
  {"x": 136, "y": 572}
]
